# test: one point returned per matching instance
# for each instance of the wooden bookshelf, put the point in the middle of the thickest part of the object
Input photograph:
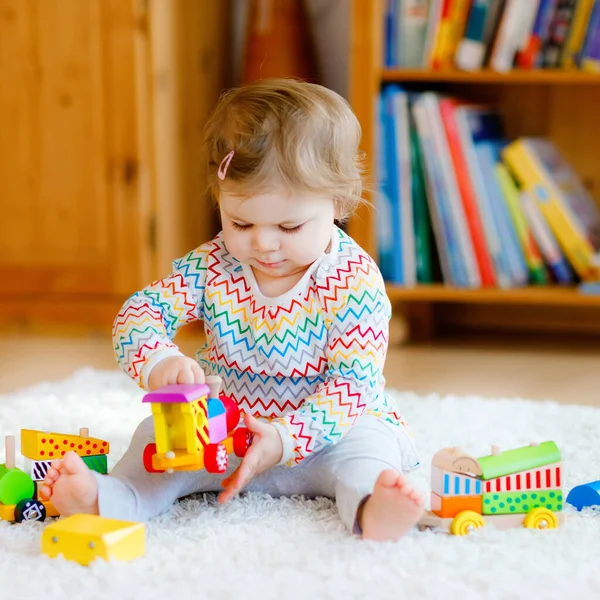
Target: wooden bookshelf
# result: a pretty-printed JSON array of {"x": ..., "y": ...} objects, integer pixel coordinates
[
  {"x": 540, "y": 295},
  {"x": 538, "y": 77},
  {"x": 561, "y": 105}
]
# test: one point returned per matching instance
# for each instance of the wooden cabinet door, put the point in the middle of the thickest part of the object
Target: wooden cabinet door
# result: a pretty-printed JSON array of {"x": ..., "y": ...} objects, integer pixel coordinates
[
  {"x": 72, "y": 226},
  {"x": 102, "y": 104}
]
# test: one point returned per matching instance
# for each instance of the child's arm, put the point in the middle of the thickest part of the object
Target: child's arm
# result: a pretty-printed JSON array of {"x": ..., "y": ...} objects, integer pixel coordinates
[
  {"x": 148, "y": 321},
  {"x": 356, "y": 351}
]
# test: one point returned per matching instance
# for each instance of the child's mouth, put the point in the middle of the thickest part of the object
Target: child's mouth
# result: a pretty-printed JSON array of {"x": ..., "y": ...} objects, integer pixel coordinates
[{"x": 269, "y": 265}]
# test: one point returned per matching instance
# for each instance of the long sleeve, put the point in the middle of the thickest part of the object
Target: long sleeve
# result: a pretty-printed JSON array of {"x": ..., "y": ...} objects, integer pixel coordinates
[
  {"x": 357, "y": 342},
  {"x": 144, "y": 329}
]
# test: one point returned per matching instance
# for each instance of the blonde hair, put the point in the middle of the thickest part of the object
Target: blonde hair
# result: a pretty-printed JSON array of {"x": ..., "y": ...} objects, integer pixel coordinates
[{"x": 285, "y": 132}]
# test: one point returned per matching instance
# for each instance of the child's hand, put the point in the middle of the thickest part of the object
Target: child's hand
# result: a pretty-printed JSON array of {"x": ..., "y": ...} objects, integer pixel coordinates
[
  {"x": 175, "y": 369},
  {"x": 264, "y": 452}
]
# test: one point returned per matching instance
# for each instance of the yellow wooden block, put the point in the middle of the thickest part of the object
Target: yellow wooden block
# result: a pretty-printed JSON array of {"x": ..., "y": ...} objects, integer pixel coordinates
[
  {"x": 83, "y": 538},
  {"x": 7, "y": 512},
  {"x": 181, "y": 461},
  {"x": 41, "y": 445}
]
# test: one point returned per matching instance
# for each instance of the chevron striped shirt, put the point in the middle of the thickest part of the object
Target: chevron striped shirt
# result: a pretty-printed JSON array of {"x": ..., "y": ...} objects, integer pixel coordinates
[{"x": 310, "y": 361}]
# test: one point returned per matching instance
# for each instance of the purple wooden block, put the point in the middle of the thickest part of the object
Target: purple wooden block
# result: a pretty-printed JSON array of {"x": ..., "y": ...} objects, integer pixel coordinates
[
  {"x": 178, "y": 393},
  {"x": 217, "y": 428}
]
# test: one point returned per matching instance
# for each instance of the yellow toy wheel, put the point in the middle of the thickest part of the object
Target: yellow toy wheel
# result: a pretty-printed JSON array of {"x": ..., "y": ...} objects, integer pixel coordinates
[
  {"x": 465, "y": 522},
  {"x": 540, "y": 518}
]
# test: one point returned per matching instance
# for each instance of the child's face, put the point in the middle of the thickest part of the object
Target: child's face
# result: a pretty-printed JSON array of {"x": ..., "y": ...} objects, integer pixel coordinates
[{"x": 278, "y": 234}]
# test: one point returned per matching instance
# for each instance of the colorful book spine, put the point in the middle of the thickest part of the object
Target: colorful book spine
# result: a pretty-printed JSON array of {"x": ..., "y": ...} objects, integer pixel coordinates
[
  {"x": 457, "y": 212},
  {"x": 446, "y": 238},
  {"x": 533, "y": 178},
  {"x": 488, "y": 154},
  {"x": 405, "y": 225},
  {"x": 533, "y": 258},
  {"x": 492, "y": 234},
  {"x": 390, "y": 37},
  {"x": 528, "y": 57},
  {"x": 436, "y": 8},
  {"x": 576, "y": 37},
  {"x": 450, "y": 32},
  {"x": 385, "y": 210},
  {"x": 545, "y": 240},
  {"x": 413, "y": 17},
  {"x": 467, "y": 194},
  {"x": 558, "y": 30},
  {"x": 590, "y": 54},
  {"x": 516, "y": 24},
  {"x": 421, "y": 216},
  {"x": 471, "y": 49}
]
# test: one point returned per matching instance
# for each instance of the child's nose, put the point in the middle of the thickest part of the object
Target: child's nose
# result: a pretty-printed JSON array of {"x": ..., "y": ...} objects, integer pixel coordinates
[{"x": 265, "y": 241}]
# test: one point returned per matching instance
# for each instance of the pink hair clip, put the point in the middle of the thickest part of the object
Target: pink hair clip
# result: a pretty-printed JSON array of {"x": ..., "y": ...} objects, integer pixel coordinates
[{"x": 225, "y": 165}]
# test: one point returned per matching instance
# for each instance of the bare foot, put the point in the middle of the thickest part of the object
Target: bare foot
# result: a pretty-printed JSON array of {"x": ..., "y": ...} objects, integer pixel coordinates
[
  {"x": 393, "y": 508},
  {"x": 71, "y": 486}
]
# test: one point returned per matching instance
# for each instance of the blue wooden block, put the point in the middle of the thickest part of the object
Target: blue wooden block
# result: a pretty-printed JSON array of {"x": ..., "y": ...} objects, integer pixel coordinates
[
  {"x": 215, "y": 408},
  {"x": 585, "y": 495}
]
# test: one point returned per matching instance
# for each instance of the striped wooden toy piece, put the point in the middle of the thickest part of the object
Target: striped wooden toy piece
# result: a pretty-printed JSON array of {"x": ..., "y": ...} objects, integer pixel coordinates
[{"x": 542, "y": 478}]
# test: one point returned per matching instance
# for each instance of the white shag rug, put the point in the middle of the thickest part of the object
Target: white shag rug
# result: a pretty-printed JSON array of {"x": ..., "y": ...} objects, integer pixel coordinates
[{"x": 258, "y": 547}]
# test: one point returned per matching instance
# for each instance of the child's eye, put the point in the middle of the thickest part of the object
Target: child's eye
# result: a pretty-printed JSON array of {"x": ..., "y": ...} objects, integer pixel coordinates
[
  {"x": 290, "y": 229},
  {"x": 240, "y": 227}
]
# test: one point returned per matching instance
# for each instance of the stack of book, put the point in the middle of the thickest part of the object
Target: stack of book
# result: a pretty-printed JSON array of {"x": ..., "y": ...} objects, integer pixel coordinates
[
  {"x": 460, "y": 202},
  {"x": 499, "y": 34}
]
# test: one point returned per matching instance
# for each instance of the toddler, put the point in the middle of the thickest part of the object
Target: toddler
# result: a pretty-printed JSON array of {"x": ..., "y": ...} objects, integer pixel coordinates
[{"x": 296, "y": 319}]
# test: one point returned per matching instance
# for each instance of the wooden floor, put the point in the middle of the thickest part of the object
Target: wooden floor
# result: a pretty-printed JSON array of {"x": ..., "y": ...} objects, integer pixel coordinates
[{"x": 565, "y": 372}]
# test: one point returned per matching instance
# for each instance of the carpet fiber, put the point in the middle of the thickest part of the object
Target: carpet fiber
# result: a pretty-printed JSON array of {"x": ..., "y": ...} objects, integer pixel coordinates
[{"x": 258, "y": 547}]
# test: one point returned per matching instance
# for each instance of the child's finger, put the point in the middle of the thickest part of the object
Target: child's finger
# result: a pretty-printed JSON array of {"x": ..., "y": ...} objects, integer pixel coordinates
[
  {"x": 198, "y": 373},
  {"x": 185, "y": 375}
]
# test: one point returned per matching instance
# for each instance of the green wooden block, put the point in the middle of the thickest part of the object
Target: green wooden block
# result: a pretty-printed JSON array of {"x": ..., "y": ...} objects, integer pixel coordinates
[
  {"x": 15, "y": 485},
  {"x": 519, "y": 459},
  {"x": 507, "y": 503},
  {"x": 97, "y": 463}
]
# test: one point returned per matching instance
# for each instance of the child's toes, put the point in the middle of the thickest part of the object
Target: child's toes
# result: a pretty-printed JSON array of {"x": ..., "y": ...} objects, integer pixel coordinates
[
  {"x": 46, "y": 490},
  {"x": 51, "y": 475}
]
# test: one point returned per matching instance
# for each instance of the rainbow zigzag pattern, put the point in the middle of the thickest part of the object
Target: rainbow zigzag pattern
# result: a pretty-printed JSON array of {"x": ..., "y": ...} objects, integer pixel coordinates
[{"x": 314, "y": 362}]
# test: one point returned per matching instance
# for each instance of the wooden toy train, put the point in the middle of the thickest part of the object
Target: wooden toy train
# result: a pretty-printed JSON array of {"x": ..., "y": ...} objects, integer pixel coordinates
[
  {"x": 508, "y": 489},
  {"x": 20, "y": 496},
  {"x": 195, "y": 428}
]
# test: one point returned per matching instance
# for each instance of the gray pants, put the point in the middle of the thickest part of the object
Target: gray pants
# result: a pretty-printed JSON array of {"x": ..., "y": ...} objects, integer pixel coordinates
[{"x": 346, "y": 472}]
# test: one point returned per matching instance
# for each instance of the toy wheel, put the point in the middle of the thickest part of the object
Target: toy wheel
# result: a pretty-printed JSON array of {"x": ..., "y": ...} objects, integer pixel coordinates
[
  {"x": 465, "y": 522},
  {"x": 30, "y": 510},
  {"x": 149, "y": 452},
  {"x": 215, "y": 458},
  {"x": 242, "y": 438},
  {"x": 540, "y": 518},
  {"x": 232, "y": 412}
]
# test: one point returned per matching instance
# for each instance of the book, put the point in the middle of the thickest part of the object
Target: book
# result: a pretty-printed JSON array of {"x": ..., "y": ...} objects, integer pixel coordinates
[
  {"x": 481, "y": 26},
  {"x": 535, "y": 263},
  {"x": 558, "y": 31},
  {"x": 467, "y": 193},
  {"x": 517, "y": 21},
  {"x": 445, "y": 234},
  {"x": 450, "y": 32},
  {"x": 386, "y": 179},
  {"x": 545, "y": 240},
  {"x": 569, "y": 210},
  {"x": 576, "y": 37},
  {"x": 413, "y": 16},
  {"x": 404, "y": 227},
  {"x": 590, "y": 53},
  {"x": 492, "y": 234},
  {"x": 527, "y": 58},
  {"x": 421, "y": 216}
]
